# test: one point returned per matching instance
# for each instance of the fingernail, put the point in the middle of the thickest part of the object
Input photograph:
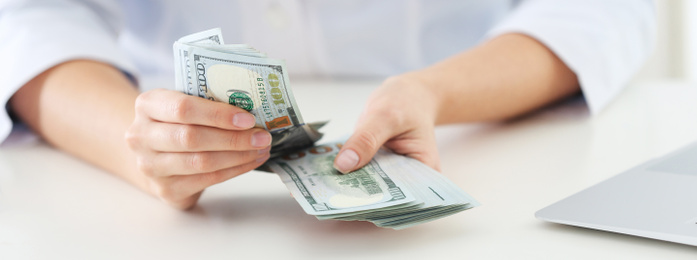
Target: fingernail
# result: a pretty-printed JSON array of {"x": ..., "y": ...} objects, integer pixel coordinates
[
  {"x": 243, "y": 120},
  {"x": 261, "y": 139},
  {"x": 346, "y": 161}
]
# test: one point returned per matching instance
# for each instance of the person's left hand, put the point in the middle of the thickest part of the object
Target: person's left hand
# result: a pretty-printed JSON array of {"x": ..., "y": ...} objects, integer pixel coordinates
[{"x": 400, "y": 115}]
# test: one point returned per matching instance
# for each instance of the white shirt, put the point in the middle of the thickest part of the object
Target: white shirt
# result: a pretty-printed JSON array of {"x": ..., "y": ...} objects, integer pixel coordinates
[{"x": 603, "y": 41}]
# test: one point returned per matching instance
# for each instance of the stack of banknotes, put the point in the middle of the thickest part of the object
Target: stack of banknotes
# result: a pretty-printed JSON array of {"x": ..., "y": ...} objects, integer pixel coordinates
[
  {"x": 391, "y": 191},
  {"x": 244, "y": 77}
]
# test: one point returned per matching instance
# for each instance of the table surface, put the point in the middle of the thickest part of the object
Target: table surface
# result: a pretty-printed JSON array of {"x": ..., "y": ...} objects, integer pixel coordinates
[{"x": 54, "y": 206}]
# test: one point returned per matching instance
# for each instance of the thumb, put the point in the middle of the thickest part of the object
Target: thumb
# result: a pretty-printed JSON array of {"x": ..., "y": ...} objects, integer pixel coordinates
[{"x": 360, "y": 148}]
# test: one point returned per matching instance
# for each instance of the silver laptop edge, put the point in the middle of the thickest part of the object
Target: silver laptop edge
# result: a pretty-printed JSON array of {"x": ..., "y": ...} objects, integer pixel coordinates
[{"x": 657, "y": 199}]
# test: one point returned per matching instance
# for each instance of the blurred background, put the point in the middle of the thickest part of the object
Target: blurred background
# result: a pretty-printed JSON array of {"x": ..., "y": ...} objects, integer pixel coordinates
[{"x": 675, "y": 55}]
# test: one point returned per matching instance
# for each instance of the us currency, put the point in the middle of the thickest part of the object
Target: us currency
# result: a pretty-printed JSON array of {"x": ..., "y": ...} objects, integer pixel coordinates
[
  {"x": 242, "y": 76},
  {"x": 391, "y": 191}
]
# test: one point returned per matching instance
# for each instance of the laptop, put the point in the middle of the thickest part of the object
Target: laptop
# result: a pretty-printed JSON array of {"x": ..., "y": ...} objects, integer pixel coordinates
[{"x": 657, "y": 199}]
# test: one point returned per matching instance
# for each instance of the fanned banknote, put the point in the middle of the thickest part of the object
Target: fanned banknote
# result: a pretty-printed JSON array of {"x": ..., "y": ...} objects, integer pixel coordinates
[
  {"x": 240, "y": 75},
  {"x": 391, "y": 191}
]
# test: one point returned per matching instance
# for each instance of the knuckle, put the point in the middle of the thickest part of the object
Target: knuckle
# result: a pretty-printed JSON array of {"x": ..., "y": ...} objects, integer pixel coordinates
[
  {"x": 132, "y": 139},
  {"x": 200, "y": 162},
  {"x": 142, "y": 100},
  {"x": 218, "y": 116},
  {"x": 393, "y": 117},
  {"x": 180, "y": 107},
  {"x": 145, "y": 166},
  {"x": 187, "y": 137},
  {"x": 234, "y": 140},
  {"x": 368, "y": 140}
]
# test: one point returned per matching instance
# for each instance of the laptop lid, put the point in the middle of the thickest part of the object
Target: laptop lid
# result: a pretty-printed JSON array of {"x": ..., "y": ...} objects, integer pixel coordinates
[{"x": 657, "y": 199}]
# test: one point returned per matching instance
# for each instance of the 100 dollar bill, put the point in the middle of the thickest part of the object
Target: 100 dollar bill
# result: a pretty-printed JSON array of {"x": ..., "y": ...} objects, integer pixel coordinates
[
  {"x": 183, "y": 79},
  {"x": 238, "y": 75},
  {"x": 258, "y": 85},
  {"x": 322, "y": 190}
]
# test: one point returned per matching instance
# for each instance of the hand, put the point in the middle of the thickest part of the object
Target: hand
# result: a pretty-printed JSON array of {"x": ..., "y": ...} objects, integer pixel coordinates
[
  {"x": 400, "y": 115},
  {"x": 184, "y": 144}
]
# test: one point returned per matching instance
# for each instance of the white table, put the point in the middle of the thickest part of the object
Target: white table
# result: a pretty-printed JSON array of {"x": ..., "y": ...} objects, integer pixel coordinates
[{"x": 53, "y": 206}]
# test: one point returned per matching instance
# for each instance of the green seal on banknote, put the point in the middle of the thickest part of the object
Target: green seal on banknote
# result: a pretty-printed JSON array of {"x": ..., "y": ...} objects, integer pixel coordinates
[{"x": 241, "y": 99}]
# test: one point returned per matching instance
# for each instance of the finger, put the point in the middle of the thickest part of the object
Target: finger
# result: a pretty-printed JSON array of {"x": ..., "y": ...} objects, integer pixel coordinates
[
  {"x": 428, "y": 155},
  {"x": 186, "y": 203},
  {"x": 418, "y": 145},
  {"x": 166, "y": 137},
  {"x": 168, "y": 164},
  {"x": 178, "y": 189},
  {"x": 176, "y": 107},
  {"x": 360, "y": 148}
]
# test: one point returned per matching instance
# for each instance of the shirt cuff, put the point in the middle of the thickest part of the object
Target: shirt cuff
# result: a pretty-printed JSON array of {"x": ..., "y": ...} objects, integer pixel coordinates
[{"x": 604, "y": 43}]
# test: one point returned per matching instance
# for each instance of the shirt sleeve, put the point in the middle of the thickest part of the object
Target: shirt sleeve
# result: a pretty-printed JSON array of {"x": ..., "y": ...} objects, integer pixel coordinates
[
  {"x": 36, "y": 35},
  {"x": 604, "y": 42}
]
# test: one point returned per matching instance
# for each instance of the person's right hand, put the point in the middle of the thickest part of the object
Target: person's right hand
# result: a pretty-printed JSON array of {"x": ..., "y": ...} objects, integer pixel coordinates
[
  {"x": 399, "y": 115},
  {"x": 184, "y": 144}
]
